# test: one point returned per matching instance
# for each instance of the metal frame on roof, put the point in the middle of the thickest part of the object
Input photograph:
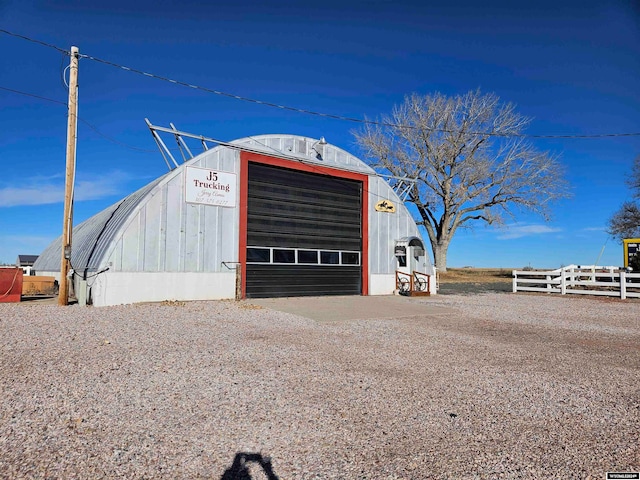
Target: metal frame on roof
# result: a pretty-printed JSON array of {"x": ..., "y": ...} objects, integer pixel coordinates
[
  {"x": 179, "y": 134},
  {"x": 400, "y": 185}
]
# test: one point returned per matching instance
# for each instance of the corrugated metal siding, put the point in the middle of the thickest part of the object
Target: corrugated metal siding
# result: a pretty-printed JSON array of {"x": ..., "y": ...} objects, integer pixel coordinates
[
  {"x": 96, "y": 231},
  {"x": 175, "y": 236},
  {"x": 386, "y": 228}
]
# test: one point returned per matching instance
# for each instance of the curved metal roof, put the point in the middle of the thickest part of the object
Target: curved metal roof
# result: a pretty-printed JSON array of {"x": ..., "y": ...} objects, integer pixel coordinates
[
  {"x": 93, "y": 237},
  {"x": 304, "y": 149}
]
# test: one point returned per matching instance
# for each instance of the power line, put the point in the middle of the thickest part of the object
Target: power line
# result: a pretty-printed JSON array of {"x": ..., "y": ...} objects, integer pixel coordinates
[
  {"x": 231, "y": 95},
  {"x": 114, "y": 140},
  {"x": 91, "y": 126},
  {"x": 340, "y": 117},
  {"x": 34, "y": 96},
  {"x": 33, "y": 40},
  {"x": 312, "y": 112}
]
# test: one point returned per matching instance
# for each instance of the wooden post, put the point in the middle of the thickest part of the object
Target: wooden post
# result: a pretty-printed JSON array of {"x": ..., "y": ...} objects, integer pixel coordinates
[
  {"x": 72, "y": 125},
  {"x": 239, "y": 281}
]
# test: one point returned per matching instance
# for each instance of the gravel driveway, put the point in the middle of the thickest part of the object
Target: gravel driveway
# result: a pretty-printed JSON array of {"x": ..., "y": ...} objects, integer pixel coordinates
[{"x": 501, "y": 386}]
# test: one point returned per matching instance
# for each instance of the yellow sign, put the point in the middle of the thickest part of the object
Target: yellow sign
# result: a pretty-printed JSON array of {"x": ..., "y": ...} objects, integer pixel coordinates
[
  {"x": 385, "y": 206},
  {"x": 631, "y": 249}
]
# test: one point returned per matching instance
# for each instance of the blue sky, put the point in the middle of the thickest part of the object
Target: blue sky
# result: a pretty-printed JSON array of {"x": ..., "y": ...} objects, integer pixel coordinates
[{"x": 573, "y": 67}]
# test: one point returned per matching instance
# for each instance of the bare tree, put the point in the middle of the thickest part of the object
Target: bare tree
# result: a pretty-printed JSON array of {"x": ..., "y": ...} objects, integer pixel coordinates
[
  {"x": 625, "y": 223},
  {"x": 634, "y": 180},
  {"x": 469, "y": 158}
]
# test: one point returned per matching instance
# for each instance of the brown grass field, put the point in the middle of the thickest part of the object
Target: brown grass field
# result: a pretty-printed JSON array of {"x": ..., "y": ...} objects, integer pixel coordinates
[{"x": 475, "y": 275}]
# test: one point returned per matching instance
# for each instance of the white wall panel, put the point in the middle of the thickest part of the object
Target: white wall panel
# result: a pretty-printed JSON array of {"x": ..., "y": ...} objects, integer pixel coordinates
[
  {"x": 153, "y": 219},
  {"x": 382, "y": 284},
  {"x": 116, "y": 288},
  {"x": 212, "y": 238},
  {"x": 130, "y": 245},
  {"x": 142, "y": 226},
  {"x": 173, "y": 234},
  {"x": 192, "y": 238}
]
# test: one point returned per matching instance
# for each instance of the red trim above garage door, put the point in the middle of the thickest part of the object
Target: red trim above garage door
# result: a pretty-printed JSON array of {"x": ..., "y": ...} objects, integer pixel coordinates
[{"x": 246, "y": 157}]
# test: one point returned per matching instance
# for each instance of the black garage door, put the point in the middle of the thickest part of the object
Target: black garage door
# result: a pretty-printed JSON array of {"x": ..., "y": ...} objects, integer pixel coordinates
[{"x": 304, "y": 234}]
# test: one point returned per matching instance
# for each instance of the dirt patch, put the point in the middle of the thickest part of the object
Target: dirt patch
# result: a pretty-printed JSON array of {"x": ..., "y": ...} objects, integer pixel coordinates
[
  {"x": 470, "y": 281},
  {"x": 473, "y": 288},
  {"x": 475, "y": 275}
]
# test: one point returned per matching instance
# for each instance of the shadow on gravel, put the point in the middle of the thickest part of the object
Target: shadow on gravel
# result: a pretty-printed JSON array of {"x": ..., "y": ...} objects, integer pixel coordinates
[
  {"x": 474, "y": 288},
  {"x": 239, "y": 470}
]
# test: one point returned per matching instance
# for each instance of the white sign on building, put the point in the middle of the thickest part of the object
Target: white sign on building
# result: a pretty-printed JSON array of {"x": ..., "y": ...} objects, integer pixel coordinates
[{"x": 210, "y": 187}]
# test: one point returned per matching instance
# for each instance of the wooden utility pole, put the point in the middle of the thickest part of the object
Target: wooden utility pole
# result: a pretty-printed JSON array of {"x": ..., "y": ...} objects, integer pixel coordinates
[{"x": 72, "y": 126}]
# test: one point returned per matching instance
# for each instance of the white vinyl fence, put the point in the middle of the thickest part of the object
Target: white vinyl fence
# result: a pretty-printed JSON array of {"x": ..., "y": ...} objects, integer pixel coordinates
[{"x": 585, "y": 280}]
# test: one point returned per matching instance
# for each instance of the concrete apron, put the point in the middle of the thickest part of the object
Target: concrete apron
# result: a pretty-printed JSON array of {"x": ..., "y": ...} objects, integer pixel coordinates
[{"x": 340, "y": 308}]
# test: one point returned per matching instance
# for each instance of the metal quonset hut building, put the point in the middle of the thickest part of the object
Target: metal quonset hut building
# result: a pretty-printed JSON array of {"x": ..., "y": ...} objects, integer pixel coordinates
[{"x": 265, "y": 216}]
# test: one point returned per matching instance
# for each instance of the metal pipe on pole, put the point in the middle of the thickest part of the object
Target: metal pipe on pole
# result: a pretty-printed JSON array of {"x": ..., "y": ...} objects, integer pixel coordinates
[{"x": 72, "y": 125}]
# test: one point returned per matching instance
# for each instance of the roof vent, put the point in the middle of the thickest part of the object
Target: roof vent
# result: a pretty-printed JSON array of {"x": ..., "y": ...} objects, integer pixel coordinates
[{"x": 318, "y": 147}]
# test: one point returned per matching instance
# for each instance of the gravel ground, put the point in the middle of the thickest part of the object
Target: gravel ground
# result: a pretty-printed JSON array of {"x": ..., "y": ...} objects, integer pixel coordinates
[{"x": 505, "y": 386}]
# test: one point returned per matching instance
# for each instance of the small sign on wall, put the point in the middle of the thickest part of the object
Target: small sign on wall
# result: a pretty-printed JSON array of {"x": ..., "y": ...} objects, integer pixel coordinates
[
  {"x": 385, "y": 206},
  {"x": 209, "y": 187}
]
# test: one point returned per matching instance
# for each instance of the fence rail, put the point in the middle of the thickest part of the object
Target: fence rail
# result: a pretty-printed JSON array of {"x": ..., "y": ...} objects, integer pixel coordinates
[{"x": 591, "y": 280}]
